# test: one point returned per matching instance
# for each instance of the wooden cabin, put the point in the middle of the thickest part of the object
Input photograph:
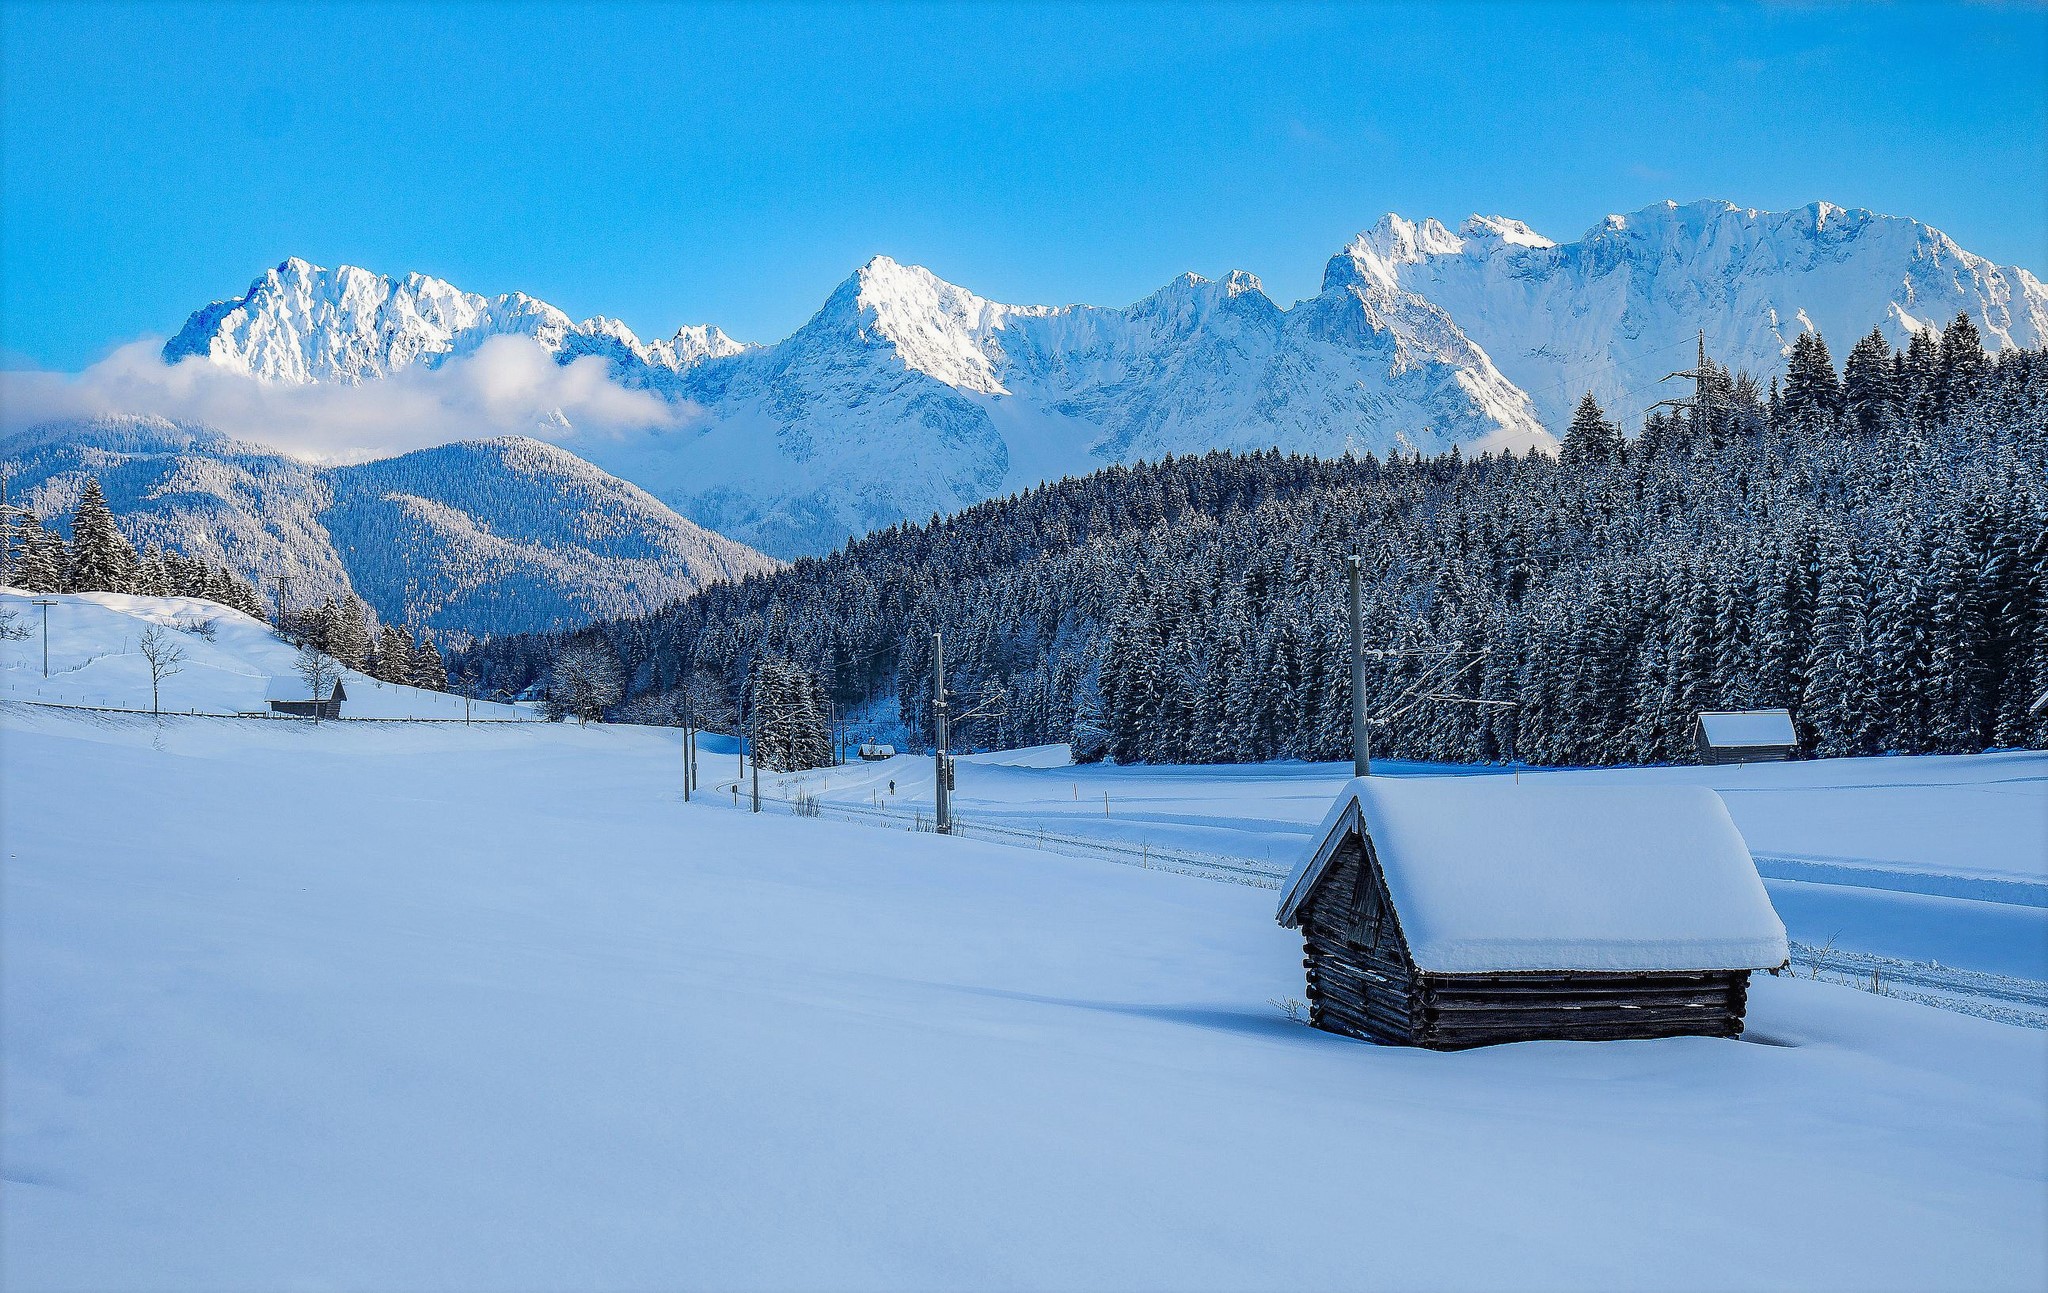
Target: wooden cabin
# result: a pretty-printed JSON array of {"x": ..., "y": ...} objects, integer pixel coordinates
[
  {"x": 1744, "y": 735},
  {"x": 290, "y": 696},
  {"x": 874, "y": 753},
  {"x": 1449, "y": 912}
]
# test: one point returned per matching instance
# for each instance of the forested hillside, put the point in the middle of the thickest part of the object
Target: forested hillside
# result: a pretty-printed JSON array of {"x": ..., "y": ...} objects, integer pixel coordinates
[{"x": 1869, "y": 548}]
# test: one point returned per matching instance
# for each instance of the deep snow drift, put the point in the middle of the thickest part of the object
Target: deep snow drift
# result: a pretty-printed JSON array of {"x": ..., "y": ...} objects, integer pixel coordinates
[{"x": 431, "y": 1005}]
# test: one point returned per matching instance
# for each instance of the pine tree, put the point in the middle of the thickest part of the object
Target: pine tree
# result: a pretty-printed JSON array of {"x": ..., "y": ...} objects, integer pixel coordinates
[
  {"x": 1869, "y": 386},
  {"x": 1591, "y": 440},
  {"x": 39, "y": 556},
  {"x": 428, "y": 669},
  {"x": 1963, "y": 365},
  {"x": 101, "y": 560},
  {"x": 394, "y": 656},
  {"x": 348, "y": 633},
  {"x": 1813, "y": 396}
]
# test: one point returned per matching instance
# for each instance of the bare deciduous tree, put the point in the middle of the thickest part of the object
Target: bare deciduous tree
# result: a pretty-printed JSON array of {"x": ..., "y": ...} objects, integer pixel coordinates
[
  {"x": 320, "y": 672},
  {"x": 588, "y": 680},
  {"x": 165, "y": 657}
]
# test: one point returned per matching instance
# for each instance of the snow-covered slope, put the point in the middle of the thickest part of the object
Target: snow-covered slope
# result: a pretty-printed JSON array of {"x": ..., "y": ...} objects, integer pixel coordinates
[
  {"x": 474, "y": 537},
  {"x": 1621, "y": 307},
  {"x": 228, "y": 661},
  {"x": 906, "y": 395}
]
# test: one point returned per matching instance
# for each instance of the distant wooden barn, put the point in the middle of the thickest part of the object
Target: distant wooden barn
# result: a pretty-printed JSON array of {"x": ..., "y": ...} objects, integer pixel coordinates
[
  {"x": 1451, "y": 912},
  {"x": 875, "y": 753},
  {"x": 1744, "y": 735},
  {"x": 290, "y": 695}
]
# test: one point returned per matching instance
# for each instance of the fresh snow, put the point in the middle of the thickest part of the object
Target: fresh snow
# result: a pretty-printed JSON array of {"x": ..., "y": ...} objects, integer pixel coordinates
[
  {"x": 402, "y": 1005},
  {"x": 350, "y": 1004},
  {"x": 1489, "y": 875},
  {"x": 1930, "y": 859},
  {"x": 230, "y": 662},
  {"x": 1741, "y": 728}
]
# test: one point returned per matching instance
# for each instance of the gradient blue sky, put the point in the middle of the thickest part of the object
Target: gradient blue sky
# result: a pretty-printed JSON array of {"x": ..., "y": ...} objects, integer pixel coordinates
[{"x": 730, "y": 164}]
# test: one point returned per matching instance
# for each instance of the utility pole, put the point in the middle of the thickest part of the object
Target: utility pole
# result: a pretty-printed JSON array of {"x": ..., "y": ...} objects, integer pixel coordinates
[
  {"x": 1361, "y": 737},
  {"x": 1701, "y": 405},
  {"x": 46, "y": 603},
  {"x": 686, "y": 749},
  {"x": 943, "y": 799},
  {"x": 6, "y": 526},
  {"x": 756, "y": 715}
]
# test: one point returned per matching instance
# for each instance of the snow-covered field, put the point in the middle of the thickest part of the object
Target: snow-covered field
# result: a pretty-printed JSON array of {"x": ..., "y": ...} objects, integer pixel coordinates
[
  {"x": 426, "y": 1005},
  {"x": 1939, "y": 860}
]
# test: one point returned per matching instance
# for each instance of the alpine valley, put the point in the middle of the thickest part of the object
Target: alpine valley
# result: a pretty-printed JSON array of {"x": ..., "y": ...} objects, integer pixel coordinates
[{"x": 906, "y": 396}]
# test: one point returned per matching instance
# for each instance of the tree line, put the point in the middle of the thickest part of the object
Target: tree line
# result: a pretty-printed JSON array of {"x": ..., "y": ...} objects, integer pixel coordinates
[
  {"x": 99, "y": 559},
  {"x": 1867, "y": 546},
  {"x": 341, "y": 629}
]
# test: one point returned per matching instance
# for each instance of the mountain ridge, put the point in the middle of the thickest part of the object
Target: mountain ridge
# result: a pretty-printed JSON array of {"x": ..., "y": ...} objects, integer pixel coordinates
[
  {"x": 471, "y": 538},
  {"x": 905, "y": 394}
]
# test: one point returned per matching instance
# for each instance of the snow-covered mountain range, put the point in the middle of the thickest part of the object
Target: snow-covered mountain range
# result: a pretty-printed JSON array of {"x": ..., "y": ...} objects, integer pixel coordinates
[
  {"x": 906, "y": 395},
  {"x": 476, "y": 537}
]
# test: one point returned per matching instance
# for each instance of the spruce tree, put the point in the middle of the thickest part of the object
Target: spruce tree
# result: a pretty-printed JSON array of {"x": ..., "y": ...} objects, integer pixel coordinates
[
  {"x": 1591, "y": 440},
  {"x": 428, "y": 669},
  {"x": 101, "y": 560},
  {"x": 1813, "y": 396},
  {"x": 1869, "y": 388},
  {"x": 39, "y": 556}
]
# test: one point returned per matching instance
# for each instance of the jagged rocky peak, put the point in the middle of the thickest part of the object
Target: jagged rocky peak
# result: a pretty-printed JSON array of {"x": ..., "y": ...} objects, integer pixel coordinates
[{"x": 1501, "y": 230}]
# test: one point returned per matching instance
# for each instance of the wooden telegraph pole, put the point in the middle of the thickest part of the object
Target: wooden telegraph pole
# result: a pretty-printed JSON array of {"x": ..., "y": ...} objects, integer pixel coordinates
[{"x": 943, "y": 800}]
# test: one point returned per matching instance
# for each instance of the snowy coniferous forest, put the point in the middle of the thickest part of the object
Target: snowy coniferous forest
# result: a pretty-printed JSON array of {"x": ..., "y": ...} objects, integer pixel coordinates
[
  {"x": 100, "y": 559},
  {"x": 1867, "y": 545}
]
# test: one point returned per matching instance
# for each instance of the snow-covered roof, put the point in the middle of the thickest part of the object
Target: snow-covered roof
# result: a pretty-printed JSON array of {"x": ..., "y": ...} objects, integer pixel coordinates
[
  {"x": 1745, "y": 727},
  {"x": 289, "y": 686},
  {"x": 1487, "y": 875}
]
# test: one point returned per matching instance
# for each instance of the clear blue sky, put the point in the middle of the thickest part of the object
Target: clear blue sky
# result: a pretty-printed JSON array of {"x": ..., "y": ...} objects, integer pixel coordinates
[{"x": 730, "y": 164}]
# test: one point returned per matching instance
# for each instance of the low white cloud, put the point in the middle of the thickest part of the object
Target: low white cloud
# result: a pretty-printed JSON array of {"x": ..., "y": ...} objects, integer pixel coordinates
[{"x": 509, "y": 386}]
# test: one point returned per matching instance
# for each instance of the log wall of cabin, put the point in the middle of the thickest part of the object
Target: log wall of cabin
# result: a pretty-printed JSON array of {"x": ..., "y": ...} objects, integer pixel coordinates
[{"x": 1362, "y": 982}]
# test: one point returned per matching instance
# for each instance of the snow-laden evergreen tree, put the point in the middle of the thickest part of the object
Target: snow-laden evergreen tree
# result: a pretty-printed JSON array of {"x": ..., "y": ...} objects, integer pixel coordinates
[
  {"x": 428, "y": 669},
  {"x": 347, "y": 632},
  {"x": 39, "y": 556},
  {"x": 1813, "y": 395},
  {"x": 101, "y": 559},
  {"x": 394, "y": 656},
  {"x": 1591, "y": 438},
  {"x": 1869, "y": 385}
]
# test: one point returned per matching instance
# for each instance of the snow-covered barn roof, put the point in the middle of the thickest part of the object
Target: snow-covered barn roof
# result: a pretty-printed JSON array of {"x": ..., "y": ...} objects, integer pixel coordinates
[
  {"x": 290, "y": 686},
  {"x": 1487, "y": 875},
  {"x": 1731, "y": 729}
]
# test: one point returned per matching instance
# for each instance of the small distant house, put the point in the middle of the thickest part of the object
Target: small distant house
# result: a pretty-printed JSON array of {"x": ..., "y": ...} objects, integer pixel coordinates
[
  {"x": 289, "y": 695},
  {"x": 1744, "y": 735},
  {"x": 873, "y": 753},
  {"x": 1463, "y": 911}
]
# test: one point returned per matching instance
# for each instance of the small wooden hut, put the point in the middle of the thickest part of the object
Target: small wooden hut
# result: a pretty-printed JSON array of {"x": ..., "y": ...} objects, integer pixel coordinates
[
  {"x": 289, "y": 695},
  {"x": 1449, "y": 912},
  {"x": 1744, "y": 735}
]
